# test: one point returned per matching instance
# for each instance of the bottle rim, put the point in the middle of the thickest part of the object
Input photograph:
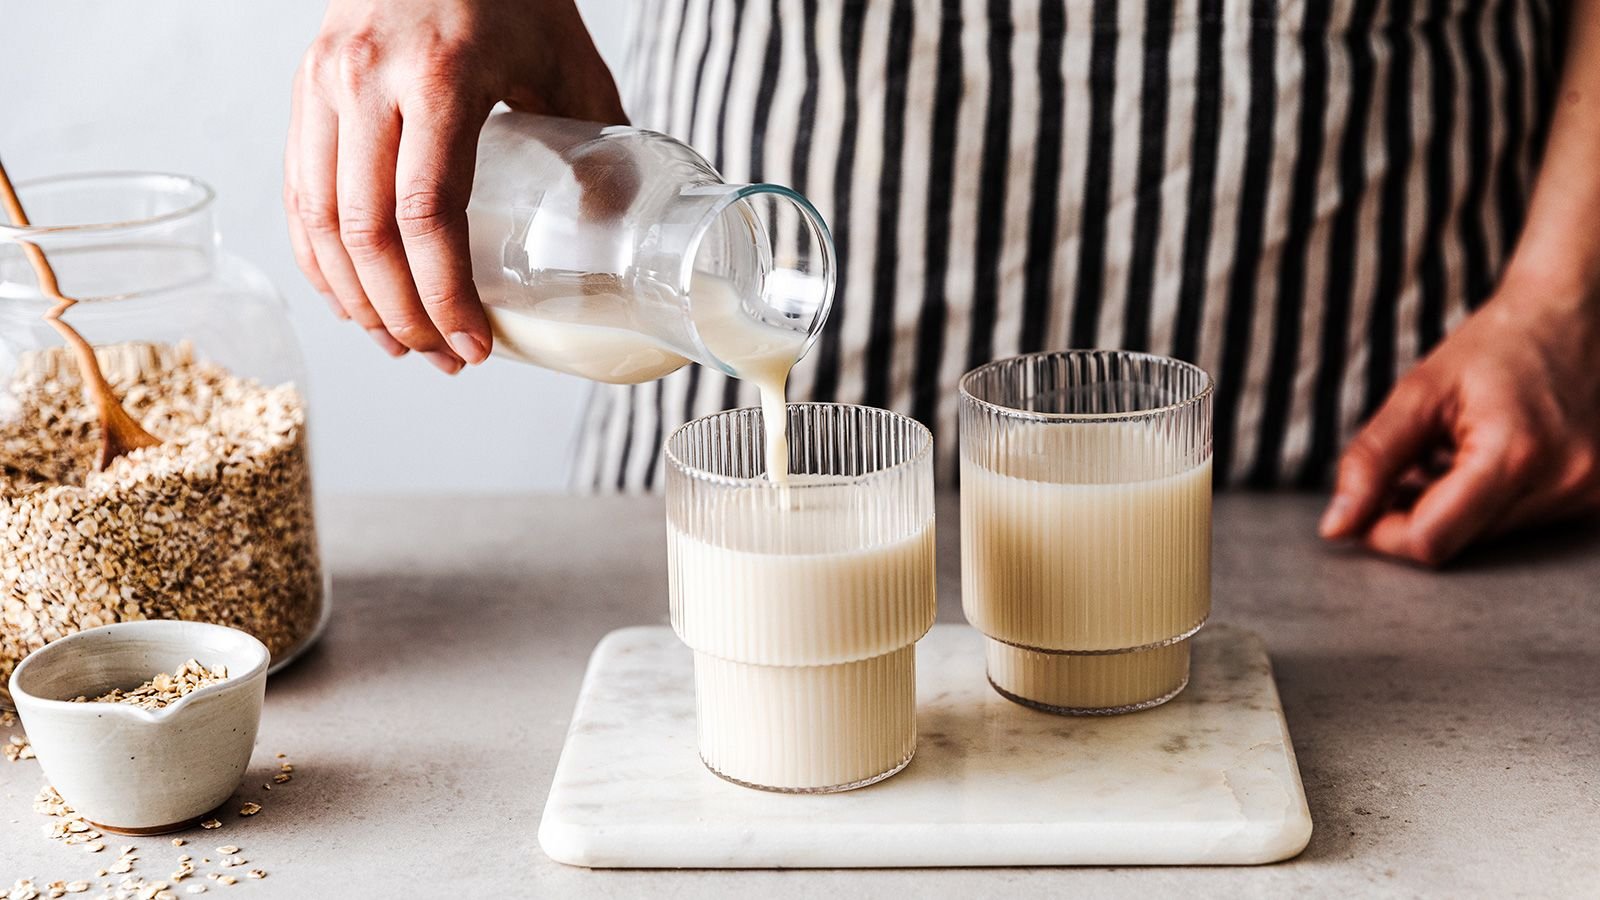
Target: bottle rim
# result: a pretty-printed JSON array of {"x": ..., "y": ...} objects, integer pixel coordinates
[{"x": 726, "y": 196}]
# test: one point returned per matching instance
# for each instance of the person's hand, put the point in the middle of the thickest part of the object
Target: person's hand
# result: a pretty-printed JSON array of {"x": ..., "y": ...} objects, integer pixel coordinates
[
  {"x": 383, "y": 135},
  {"x": 1498, "y": 428}
]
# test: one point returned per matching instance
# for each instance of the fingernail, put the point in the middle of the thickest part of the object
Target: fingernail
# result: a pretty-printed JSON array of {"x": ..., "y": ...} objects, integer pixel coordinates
[
  {"x": 468, "y": 347},
  {"x": 444, "y": 362},
  {"x": 386, "y": 340},
  {"x": 1333, "y": 521}
]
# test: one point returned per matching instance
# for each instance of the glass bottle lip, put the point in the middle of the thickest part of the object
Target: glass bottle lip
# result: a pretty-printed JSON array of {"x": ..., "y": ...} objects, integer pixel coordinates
[
  {"x": 731, "y": 194},
  {"x": 193, "y": 197},
  {"x": 968, "y": 395},
  {"x": 922, "y": 452}
]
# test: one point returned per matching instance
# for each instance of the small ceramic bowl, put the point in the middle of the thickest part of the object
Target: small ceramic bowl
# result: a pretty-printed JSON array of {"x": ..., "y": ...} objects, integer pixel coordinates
[{"x": 141, "y": 771}]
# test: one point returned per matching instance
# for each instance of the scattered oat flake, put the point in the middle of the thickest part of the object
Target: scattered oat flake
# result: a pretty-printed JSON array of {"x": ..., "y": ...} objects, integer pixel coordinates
[
  {"x": 178, "y": 842},
  {"x": 227, "y": 879},
  {"x": 281, "y": 778},
  {"x": 249, "y": 808},
  {"x": 228, "y": 862},
  {"x": 94, "y": 846},
  {"x": 17, "y": 748},
  {"x": 195, "y": 889},
  {"x": 210, "y": 824},
  {"x": 227, "y": 849},
  {"x": 77, "y": 887},
  {"x": 258, "y": 874}
]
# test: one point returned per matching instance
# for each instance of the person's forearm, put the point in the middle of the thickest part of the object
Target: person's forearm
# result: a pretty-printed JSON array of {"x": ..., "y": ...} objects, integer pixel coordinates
[{"x": 1558, "y": 254}]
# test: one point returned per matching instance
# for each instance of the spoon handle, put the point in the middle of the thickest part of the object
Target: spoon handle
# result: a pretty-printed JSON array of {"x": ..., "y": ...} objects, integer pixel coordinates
[{"x": 119, "y": 432}]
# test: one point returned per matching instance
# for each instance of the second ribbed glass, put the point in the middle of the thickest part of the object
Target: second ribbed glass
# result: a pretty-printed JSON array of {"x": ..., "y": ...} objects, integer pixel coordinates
[
  {"x": 803, "y": 601},
  {"x": 1086, "y": 525}
]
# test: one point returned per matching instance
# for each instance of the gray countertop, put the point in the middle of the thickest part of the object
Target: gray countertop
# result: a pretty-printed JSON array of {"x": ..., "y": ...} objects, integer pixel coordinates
[{"x": 1447, "y": 724}]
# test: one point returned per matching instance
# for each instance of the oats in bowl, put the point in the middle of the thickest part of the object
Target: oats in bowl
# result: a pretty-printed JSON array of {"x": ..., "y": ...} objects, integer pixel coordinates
[{"x": 164, "y": 689}]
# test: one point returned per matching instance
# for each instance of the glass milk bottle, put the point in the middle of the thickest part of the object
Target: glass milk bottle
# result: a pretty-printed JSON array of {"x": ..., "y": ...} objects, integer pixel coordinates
[{"x": 619, "y": 255}]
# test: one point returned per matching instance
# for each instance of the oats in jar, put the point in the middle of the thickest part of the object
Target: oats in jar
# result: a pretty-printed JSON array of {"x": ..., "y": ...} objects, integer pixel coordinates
[{"x": 215, "y": 524}]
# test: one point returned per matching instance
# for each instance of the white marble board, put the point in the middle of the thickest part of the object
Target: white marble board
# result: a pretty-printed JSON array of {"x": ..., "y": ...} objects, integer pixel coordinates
[{"x": 1208, "y": 778}]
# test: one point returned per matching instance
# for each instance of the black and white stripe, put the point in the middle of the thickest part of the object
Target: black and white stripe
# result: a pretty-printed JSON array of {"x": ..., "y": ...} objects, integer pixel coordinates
[{"x": 1302, "y": 197}]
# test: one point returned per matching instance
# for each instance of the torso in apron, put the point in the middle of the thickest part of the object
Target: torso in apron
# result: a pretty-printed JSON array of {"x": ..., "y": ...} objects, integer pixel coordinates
[{"x": 1303, "y": 198}]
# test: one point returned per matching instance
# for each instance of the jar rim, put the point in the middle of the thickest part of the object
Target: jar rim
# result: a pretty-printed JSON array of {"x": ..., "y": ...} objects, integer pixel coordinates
[{"x": 195, "y": 196}]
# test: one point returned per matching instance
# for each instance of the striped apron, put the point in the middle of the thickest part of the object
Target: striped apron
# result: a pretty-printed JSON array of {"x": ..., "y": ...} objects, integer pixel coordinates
[{"x": 1302, "y": 197}]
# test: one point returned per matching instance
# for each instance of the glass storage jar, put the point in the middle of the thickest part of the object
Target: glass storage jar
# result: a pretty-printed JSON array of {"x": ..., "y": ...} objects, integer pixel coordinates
[{"x": 216, "y": 523}]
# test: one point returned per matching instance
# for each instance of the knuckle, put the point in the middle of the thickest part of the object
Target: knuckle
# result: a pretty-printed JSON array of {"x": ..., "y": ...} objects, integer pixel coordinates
[
  {"x": 425, "y": 209},
  {"x": 1360, "y": 457},
  {"x": 319, "y": 67},
  {"x": 442, "y": 82},
  {"x": 356, "y": 60},
  {"x": 365, "y": 233},
  {"x": 440, "y": 55},
  {"x": 1521, "y": 457},
  {"x": 318, "y": 216},
  {"x": 1413, "y": 392},
  {"x": 442, "y": 302}
]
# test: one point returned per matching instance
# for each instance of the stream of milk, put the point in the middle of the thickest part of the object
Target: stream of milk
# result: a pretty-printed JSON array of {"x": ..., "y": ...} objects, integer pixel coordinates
[{"x": 592, "y": 329}]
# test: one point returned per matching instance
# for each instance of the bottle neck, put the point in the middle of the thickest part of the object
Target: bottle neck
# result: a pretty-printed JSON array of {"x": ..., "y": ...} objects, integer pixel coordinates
[{"x": 765, "y": 244}]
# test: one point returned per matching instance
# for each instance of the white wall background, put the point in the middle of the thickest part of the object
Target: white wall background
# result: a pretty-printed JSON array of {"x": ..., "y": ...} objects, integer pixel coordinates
[{"x": 202, "y": 87}]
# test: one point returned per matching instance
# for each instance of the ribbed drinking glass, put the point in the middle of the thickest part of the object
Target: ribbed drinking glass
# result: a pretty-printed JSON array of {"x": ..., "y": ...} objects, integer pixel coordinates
[
  {"x": 1086, "y": 525},
  {"x": 803, "y": 601}
]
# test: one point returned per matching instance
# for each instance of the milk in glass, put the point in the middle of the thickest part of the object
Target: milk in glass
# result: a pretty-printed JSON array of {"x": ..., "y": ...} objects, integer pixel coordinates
[
  {"x": 802, "y": 602},
  {"x": 1086, "y": 561}
]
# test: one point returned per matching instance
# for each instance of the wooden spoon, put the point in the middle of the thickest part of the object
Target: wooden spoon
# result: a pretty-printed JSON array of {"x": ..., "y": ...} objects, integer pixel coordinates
[{"x": 119, "y": 433}]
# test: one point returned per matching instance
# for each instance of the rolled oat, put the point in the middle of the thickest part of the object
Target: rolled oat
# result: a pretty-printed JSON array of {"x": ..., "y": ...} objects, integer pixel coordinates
[
  {"x": 163, "y": 690},
  {"x": 215, "y": 524}
]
